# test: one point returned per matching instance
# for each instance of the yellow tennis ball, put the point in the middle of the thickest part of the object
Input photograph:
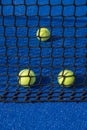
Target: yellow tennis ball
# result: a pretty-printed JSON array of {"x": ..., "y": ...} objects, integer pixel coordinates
[
  {"x": 66, "y": 78},
  {"x": 27, "y": 78},
  {"x": 43, "y": 34}
]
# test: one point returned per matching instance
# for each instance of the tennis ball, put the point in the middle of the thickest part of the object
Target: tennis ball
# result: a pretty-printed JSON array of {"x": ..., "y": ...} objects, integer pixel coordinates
[
  {"x": 43, "y": 34},
  {"x": 66, "y": 78},
  {"x": 26, "y": 78}
]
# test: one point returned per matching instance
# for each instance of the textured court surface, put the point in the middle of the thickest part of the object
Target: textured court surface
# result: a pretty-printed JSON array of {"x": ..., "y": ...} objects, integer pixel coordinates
[
  {"x": 43, "y": 116},
  {"x": 50, "y": 116}
]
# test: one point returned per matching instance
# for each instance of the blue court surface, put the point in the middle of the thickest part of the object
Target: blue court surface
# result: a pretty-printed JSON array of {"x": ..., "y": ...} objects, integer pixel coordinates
[
  {"x": 20, "y": 49},
  {"x": 45, "y": 116}
]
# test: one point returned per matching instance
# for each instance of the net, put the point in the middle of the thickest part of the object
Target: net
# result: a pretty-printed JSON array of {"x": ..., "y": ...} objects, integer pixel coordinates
[{"x": 20, "y": 49}]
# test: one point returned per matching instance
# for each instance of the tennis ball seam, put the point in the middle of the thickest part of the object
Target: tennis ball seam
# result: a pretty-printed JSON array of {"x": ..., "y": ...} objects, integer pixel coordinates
[
  {"x": 63, "y": 78},
  {"x": 40, "y": 34},
  {"x": 28, "y": 77}
]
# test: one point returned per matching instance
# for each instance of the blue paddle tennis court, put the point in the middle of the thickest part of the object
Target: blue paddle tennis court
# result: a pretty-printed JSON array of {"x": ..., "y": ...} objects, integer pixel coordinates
[{"x": 43, "y": 106}]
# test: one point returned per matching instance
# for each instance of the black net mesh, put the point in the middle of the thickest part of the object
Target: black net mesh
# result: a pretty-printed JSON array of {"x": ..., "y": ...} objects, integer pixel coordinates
[{"x": 20, "y": 49}]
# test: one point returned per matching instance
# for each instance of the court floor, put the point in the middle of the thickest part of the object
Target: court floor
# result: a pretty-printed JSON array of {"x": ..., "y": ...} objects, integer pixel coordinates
[{"x": 20, "y": 49}]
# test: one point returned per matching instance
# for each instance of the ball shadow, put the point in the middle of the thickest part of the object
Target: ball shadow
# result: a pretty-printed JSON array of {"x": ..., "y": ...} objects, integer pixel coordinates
[
  {"x": 80, "y": 82},
  {"x": 53, "y": 38},
  {"x": 42, "y": 82}
]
